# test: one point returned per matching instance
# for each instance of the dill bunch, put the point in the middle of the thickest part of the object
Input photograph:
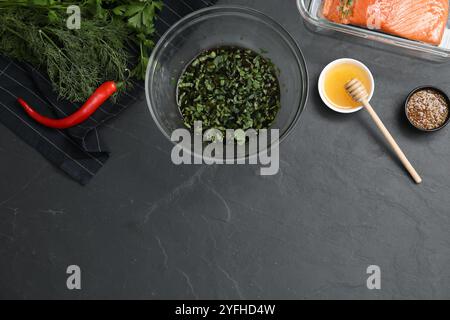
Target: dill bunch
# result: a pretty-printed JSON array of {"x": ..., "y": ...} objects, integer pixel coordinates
[{"x": 76, "y": 61}]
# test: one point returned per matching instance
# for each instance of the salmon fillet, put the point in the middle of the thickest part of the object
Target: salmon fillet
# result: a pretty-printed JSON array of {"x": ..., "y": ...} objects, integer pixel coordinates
[{"x": 421, "y": 20}]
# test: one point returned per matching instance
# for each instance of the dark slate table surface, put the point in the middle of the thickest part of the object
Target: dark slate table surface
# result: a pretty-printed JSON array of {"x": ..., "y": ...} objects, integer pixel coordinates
[{"x": 145, "y": 228}]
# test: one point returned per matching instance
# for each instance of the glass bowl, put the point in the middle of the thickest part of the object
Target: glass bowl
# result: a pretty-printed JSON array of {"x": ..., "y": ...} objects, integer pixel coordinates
[{"x": 224, "y": 26}]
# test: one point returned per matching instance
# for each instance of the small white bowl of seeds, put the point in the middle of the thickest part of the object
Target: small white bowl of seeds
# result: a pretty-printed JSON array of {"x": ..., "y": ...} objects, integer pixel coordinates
[{"x": 428, "y": 108}]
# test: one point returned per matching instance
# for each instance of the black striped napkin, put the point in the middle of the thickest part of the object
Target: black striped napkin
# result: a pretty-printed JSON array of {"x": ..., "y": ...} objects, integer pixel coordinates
[{"x": 79, "y": 151}]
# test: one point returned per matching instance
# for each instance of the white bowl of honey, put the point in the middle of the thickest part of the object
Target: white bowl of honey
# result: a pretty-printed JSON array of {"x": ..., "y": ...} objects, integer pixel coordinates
[{"x": 332, "y": 82}]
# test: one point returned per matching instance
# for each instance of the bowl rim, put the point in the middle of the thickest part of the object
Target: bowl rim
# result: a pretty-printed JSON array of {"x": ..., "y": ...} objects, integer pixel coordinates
[
  {"x": 284, "y": 34},
  {"x": 321, "y": 81},
  {"x": 424, "y": 87}
]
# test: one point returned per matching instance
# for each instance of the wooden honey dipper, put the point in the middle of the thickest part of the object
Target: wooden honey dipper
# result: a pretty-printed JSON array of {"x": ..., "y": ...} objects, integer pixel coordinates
[{"x": 359, "y": 93}]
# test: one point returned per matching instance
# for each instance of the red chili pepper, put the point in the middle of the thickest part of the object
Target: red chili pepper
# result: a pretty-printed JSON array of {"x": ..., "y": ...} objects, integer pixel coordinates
[{"x": 100, "y": 95}]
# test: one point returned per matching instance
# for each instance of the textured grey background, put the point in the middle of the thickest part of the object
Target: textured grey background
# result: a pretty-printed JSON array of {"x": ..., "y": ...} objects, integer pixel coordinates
[{"x": 145, "y": 228}]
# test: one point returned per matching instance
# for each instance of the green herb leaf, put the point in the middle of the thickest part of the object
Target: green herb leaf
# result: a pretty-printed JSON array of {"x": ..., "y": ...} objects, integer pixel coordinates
[{"x": 230, "y": 88}]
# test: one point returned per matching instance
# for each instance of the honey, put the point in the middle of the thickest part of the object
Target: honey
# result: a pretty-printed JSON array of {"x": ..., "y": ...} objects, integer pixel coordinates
[{"x": 335, "y": 80}]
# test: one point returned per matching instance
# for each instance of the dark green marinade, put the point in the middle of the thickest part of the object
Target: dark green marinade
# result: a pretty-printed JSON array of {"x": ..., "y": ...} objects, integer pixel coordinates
[{"x": 229, "y": 88}]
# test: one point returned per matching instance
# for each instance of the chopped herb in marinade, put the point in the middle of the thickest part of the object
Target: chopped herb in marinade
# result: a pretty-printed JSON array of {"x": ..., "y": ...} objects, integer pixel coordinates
[
  {"x": 229, "y": 88},
  {"x": 346, "y": 8}
]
